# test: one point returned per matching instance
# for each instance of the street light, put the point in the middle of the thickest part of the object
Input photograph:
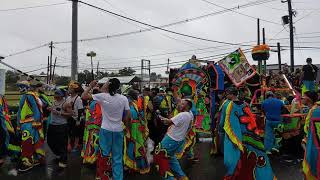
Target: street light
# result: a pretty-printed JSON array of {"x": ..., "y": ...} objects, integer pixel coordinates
[{"x": 91, "y": 55}]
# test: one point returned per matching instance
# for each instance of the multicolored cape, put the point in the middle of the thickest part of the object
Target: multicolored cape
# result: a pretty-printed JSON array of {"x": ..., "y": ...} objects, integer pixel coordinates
[
  {"x": 90, "y": 148},
  {"x": 199, "y": 83},
  {"x": 9, "y": 145},
  {"x": 245, "y": 157},
  {"x": 134, "y": 148},
  {"x": 311, "y": 162},
  {"x": 30, "y": 119}
]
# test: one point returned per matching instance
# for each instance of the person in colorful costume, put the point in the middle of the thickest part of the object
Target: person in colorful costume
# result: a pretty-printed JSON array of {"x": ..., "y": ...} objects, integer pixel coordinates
[
  {"x": 161, "y": 105},
  {"x": 142, "y": 103},
  {"x": 272, "y": 107},
  {"x": 311, "y": 161},
  {"x": 135, "y": 152},
  {"x": 7, "y": 132},
  {"x": 219, "y": 138},
  {"x": 90, "y": 150},
  {"x": 165, "y": 153},
  {"x": 245, "y": 156},
  {"x": 30, "y": 124}
]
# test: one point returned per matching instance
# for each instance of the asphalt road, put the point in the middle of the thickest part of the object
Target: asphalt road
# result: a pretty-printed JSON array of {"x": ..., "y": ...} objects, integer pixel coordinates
[{"x": 208, "y": 168}]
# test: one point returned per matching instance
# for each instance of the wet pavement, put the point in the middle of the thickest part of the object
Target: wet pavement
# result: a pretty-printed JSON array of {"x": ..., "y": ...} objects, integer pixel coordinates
[{"x": 208, "y": 168}]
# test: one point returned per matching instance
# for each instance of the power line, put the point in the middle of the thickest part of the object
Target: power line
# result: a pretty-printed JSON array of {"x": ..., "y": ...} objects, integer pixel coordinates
[
  {"x": 159, "y": 28},
  {"x": 250, "y": 4},
  {"x": 167, "y": 36},
  {"x": 243, "y": 14},
  {"x": 306, "y": 16},
  {"x": 27, "y": 50},
  {"x": 31, "y": 7}
]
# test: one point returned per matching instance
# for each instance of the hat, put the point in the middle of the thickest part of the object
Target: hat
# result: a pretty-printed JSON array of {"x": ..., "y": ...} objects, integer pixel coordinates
[
  {"x": 74, "y": 85},
  {"x": 59, "y": 92},
  {"x": 23, "y": 86},
  {"x": 133, "y": 94}
]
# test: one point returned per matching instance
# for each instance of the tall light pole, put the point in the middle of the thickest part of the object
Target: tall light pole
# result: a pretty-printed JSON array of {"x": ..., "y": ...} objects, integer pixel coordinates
[
  {"x": 91, "y": 55},
  {"x": 74, "y": 48},
  {"x": 291, "y": 13}
]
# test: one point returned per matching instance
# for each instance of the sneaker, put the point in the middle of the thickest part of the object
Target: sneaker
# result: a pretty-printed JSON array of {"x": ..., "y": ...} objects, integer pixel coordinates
[
  {"x": 62, "y": 165},
  {"x": 24, "y": 167}
]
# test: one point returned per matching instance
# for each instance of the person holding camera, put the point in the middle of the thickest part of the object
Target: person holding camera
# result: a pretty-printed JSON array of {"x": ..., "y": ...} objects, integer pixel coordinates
[
  {"x": 309, "y": 76},
  {"x": 58, "y": 127}
]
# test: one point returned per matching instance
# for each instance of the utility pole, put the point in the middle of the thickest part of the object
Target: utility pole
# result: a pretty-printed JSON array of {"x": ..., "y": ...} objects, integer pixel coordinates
[
  {"x": 167, "y": 72},
  {"x": 74, "y": 49},
  {"x": 98, "y": 70},
  {"x": 264, "y": 42},
  {"x": 51, "y": 47},
  {"x": 145, "y": 66},
  {"x": 54, "y": 69},
  {"x": 279, "y": 55},
  {"x": 258, "y": 43},
  {"x": 48, "y": 69},
  {"x": 291, "y": 33}
]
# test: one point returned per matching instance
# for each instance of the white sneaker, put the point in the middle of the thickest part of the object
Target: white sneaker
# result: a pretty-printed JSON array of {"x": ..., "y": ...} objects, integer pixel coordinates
[{"x": 62, "y": 165}]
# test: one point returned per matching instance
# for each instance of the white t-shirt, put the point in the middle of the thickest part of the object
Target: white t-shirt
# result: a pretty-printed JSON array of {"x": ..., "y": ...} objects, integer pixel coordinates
[
  {"x": 77, "y": 104},
  {"x": 112, "y": 108},
  {"x": 181, "y": 124}
]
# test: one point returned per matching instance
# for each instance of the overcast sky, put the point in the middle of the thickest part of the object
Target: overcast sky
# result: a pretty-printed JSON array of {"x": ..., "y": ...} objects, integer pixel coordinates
[{"x": 28, "y": 28}]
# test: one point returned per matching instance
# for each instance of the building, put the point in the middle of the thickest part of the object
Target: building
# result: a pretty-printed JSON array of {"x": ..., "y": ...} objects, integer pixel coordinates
[{"x": 124, "y": 80}]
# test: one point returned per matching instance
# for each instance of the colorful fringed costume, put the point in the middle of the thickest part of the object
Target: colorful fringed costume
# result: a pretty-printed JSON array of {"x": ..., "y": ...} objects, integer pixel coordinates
[
  {"x": 311, "y": 162},
  {"x": 135, "y": 138},
  {"x": 31, "y": 127},
  {"x": 7, "y": 132},
  {"x": 90, "y": 149},
  {"x": 245, "y": 157}
]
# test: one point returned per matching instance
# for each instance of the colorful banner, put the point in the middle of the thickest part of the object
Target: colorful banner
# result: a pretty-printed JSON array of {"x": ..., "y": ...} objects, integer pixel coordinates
[{"x": 237, "y": 67}]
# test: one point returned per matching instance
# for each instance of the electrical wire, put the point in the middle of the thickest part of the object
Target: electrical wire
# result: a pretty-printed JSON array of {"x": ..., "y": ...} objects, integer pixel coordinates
[
  {"x": 250, "y": 4},
  {"x": 243, "y": 14},
  {"x": 27, "y": 50},
  {"x": 32, "y": 7}
]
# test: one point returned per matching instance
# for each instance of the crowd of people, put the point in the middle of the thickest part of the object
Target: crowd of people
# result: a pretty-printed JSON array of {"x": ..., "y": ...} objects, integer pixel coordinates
[{"x": 131, "y": 132}]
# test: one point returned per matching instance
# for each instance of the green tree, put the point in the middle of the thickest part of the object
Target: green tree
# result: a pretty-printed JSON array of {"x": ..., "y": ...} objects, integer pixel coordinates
[
  {"x": 127, "y": 71},
  {"x": 11, "y": 79},
  {"x": 85, "y": 77},
  {"x": 62, "y": 80}
]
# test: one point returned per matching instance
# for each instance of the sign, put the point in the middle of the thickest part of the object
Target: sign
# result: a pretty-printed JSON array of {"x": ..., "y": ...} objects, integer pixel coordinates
[{"x": 237, "y": 67}]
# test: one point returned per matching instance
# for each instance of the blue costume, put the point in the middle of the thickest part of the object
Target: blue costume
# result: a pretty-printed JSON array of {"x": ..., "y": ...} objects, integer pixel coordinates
[{"x": 245, "y": 157}]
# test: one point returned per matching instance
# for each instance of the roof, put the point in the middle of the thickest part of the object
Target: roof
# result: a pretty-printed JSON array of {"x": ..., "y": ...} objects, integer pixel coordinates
[{"x": 122, "y": 79}]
